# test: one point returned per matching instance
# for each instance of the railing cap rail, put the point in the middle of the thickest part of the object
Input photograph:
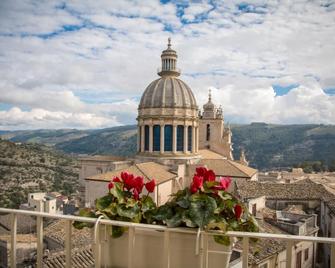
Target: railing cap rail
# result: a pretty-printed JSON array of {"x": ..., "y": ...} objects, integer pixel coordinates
[{"x": 164, "y": 228}]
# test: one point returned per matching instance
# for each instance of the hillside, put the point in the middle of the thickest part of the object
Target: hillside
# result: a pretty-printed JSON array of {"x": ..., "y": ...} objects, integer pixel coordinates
[
  {"x": 267, "y": 146},
  {"x": 33, "y": 167}
]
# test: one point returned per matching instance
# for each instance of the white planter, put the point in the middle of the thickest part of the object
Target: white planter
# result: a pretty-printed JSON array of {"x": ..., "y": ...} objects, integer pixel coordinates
[{"x": 148, "y": 250}]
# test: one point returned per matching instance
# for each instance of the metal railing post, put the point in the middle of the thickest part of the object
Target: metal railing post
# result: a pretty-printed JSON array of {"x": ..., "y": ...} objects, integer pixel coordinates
[
  {"x": 39, "y": 233},
  {"x": 13, "y": 241},
  {"x": 131, "y": 241},
  {"x": 68, "y": 244},
  {"x": 166, "y": 258},
  {"x": 332, "y": 256},
  {"x": 245, "y": 252},
  {"x": 289, "y": 247}
]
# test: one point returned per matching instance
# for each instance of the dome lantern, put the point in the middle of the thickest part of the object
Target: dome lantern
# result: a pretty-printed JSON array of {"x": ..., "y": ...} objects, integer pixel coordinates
[{"x": 169, "y": 62}]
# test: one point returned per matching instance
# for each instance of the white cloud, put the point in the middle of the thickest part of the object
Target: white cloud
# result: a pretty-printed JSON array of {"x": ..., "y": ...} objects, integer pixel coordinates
[
  {"x": 240, "y": 49},
  {"x": 15, "y": 118}
]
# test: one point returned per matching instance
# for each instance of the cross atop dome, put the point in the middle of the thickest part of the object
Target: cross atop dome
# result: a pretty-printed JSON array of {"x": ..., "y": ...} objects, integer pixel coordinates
[{"x": 169, "y": 42}]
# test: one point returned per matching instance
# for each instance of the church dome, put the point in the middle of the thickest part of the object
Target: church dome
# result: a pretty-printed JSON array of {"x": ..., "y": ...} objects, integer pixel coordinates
[{"x": 168, "y": 92}]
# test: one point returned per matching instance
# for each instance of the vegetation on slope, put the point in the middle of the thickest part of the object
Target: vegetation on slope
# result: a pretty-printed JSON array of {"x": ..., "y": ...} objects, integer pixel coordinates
[
  {"x": 267, "y": 146},
  {"x": 33, "y": 167}
]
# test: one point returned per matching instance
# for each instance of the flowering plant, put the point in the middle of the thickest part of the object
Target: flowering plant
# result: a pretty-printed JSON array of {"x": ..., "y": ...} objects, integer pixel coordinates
[
  {"x": 123, "y": 202},
  {"x": 206, "y": 204}
]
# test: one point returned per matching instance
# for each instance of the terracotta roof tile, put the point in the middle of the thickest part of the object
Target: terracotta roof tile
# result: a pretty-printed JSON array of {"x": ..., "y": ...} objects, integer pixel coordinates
[
  {"x": 147, "y": 170},
  {"x": 224, "y": 167},
  {"x": 209, "y": 154},
  {"x": 253, "y": 189}
]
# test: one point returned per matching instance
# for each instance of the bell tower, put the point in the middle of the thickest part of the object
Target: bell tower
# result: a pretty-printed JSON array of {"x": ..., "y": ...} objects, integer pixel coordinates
[{"x": 213, "y": 134}]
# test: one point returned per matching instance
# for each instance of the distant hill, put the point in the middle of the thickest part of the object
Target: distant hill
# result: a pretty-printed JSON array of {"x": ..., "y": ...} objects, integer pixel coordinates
[
  {"x": 266, "y": 145},
  {"x": 28, "y": 168}
]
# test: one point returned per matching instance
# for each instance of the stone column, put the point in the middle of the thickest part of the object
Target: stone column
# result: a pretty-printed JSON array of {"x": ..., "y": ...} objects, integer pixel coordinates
[
  {"x": 142, "y": 138},
  {"x": 193, "y": 140},
  {"x": 151, "y": 137},
  {"x": 174, "y": 140},
  {"x": 138, "y": 139},
  {"x": 162, "y": 139},
  {"x": 197, "y": 139},
  {"x": 185, "y": 139}
]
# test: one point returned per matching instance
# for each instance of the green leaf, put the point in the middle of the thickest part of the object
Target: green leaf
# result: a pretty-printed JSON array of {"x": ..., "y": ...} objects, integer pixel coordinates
[
  {"x": 175, "y": 220},
  {"x": 147, "y": 204},
  {"x": 222, "y": 239},
  {"x": 111, "y": 210},
  {"x": 224, "y": 195},
  {"x": 222, "y": 225},
  {"x": 183, "y": 200},
  {"x": 118, "y": 192},
  {"x": 117, "y": 231},
  {"x": 163, "y": 212},
  {"x": 103, "y": 202},
  {"x": 128, "y": 212},
  {"x": 202, "y": 209},
  {"x": 85, "y": 212}
]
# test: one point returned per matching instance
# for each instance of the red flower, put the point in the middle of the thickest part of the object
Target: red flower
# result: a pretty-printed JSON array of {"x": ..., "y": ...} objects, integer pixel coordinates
[
  {"x": 116, "y": 179},
  {"x": 136, "y": 194},
  {"x": 138, "y": 184},
  {"x": 110, "y": 185},
  {"x": 196, "y": 183},
  {"x": 150, "y": 186},
  {"x": 201, "y": 171},
  {"x": 238, "y": 211},
  {"x": 209, "y": 175},
  {"x": 193, "y": 189},
  {"x": 225, "y": 182},
  {"x": 128, "y": 180}
]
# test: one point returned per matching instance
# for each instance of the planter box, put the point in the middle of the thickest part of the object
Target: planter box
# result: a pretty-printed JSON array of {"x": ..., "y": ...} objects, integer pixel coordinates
[{"x": 149, "y": 250}]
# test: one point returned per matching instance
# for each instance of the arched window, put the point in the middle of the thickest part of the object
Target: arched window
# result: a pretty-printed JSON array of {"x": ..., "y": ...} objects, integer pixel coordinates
[
  {"x": 189, "y": 138},
  {"x": 180, "y": 138},
  {"x": 157, "y": 138},
  {"x": 208, "y": 132},
  {"x": 168, "y": 138},
  {"x": 146, "y": 138}
]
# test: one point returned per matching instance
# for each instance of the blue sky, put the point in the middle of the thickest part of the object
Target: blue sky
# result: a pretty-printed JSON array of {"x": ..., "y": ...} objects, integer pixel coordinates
[{"x": 85, "y": 64}]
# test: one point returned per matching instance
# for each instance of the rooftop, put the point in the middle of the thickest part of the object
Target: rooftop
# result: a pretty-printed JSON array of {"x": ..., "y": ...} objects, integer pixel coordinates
[
  {"x": 225, "y": 167},
  {"x": 147, "y": 170},
  {"x": 107, "y": 158}
]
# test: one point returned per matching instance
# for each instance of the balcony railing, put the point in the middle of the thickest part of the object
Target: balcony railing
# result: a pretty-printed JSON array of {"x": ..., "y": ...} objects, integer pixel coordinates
[{"x": 289, "y": 239}]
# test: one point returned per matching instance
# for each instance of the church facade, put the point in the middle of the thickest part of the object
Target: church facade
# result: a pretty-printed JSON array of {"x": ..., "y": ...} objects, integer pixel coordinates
[{"x": 174, "y": 136}]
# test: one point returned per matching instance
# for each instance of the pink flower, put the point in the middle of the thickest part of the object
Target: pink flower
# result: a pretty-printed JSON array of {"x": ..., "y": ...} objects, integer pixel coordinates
[
  {"x": 150, "y": 186},
  {"x": 238, "y": 211},
  {"x": 225, "y": 182}
]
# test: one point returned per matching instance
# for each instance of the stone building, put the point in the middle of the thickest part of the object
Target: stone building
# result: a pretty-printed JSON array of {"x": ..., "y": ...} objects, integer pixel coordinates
[{"x": 173, "y": 137}]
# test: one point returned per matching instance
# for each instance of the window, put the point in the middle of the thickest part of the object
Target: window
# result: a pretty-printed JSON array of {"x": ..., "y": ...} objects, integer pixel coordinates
[
  {"x": 298, "y": 260},
  {"x": 146, "y": 138},
  {"x": 156, "y": 138},
  {"x": 168, "y": 138},
  {"x": 189, "y": 138},
  {"x": 254, "y": 209},
  {"x": 208, "y": 132},
  {"x": 306, "y": 254},
  {"x": 264, "y": 265},
  {"x": 180, "y": 138}
]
